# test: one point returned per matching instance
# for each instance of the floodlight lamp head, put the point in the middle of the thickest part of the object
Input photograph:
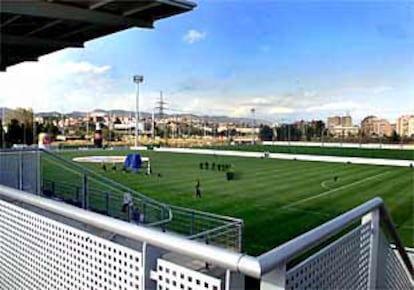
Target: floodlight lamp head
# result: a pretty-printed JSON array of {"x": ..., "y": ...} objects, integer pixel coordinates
[{"x": 138, "y": 78}]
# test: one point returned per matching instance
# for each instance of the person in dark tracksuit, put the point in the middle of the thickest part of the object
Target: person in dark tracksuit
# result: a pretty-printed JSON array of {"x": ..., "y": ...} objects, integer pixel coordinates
[{"x": 197, "y": 189}]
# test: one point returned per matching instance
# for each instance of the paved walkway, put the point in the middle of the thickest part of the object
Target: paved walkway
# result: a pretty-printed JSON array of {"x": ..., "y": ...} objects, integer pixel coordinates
[{"x": 302, "y": 157}]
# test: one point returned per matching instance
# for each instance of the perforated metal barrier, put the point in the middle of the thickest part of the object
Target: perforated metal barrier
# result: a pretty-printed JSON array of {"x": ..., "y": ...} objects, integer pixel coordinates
[
  {"x": 391, "y": 273},
  {"x": 40, "y": 250},
  {"x": 55, "y": 177},
  {"x": 170, "y": 276},
  {"x": 344, "y": 264},
  {"x": 40, "y": 253}
]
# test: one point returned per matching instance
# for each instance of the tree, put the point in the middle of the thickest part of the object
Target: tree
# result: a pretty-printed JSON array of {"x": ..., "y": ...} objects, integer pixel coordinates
[
  {"x": 282, "y": 133},
  {"x": 14, "y": 132},
  {"x": 266, "y": 133},
  {"x": 22, "y": 115},
  {"x": 320, "y": 128},
  {"x": 50, "y": 129},
  {"x": 295, "y": 133},
  {"x": 395, "y": 137},
  {"x": 309, "y": 132},
  {"x": 22, "y": 118}
]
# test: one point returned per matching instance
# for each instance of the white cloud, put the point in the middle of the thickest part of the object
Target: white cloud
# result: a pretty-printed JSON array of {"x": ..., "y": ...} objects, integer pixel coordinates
[
  {"x": 193, "y": 36},
  {"x": 55, "y": 84},
  {"x": 335, "y": 106},
  {"x": 58, "y": 83},
  {"x": 280, "y": 110},
  {"x": 239, "y": 111},
  {"x": 193, "y": 106},
  {"x": 260, "y": 101},
  {"x": 85, "y": 67}
]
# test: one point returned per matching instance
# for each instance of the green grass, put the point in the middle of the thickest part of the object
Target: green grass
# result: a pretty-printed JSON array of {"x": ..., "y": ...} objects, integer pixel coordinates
[
  {"x": 330, "y": 151},
  {"x": 266, "y": 187}
]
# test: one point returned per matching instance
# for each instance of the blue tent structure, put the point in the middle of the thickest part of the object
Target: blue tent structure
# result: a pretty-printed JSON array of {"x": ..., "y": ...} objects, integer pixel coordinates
[{"x": 133, "y": 161}]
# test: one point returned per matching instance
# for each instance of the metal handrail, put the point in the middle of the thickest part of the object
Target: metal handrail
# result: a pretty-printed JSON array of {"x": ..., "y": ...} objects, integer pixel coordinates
[
  {"x": 251, "y": 266},
  {"x": 104, "y": 178},
  {"x": 315, "y": 237},
  {"x": 171, "y": 209},
  {"x": 206, "y": 214},
  {"x": 174, "y": 243},
  {"x": 387, "y": 221},
  {"x": 209, "y": 232},
  {"x": 114, "y": 184}
]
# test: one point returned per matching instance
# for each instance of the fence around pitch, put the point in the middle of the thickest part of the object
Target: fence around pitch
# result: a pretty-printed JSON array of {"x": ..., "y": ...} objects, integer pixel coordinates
[
  {"x": 38, "y": 251},
  {"x": 105, "y": 196},
  {"x": 55, "y": 177},
  {"x": 20, "y": 169}
]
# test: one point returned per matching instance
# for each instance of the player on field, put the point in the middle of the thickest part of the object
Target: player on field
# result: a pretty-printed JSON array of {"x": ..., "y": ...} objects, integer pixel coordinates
[{"x": 197, "y": 189}]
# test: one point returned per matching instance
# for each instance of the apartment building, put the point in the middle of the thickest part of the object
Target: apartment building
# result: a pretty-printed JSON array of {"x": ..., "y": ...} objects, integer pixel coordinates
[
  {"x": 374, "y": 126},
  {"x": 405, "y": 125}
]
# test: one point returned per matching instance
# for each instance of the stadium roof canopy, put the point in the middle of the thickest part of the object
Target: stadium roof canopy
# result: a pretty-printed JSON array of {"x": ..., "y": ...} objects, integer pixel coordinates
[{"x": 32, "y": 28}]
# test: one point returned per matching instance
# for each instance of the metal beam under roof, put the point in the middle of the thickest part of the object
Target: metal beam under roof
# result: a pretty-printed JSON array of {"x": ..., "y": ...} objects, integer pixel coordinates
[
  {"x": 34, "y": 41},
  {"x": 100, "y": 4},
  {"x": 66, "y": 12},
  {"x": 30, "y": 29}
]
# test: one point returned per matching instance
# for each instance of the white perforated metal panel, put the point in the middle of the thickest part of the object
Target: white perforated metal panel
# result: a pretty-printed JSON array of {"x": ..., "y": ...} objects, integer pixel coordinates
[
  {"x": 344, "y": 264},
  {"x": 39, "y": 253},
  {"x": 393, "y": 275},
  {"x": 170, "y": 276}
]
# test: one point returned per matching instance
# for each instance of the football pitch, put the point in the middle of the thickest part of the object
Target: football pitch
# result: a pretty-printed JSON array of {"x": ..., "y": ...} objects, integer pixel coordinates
[{"x": 277, "y": 199}]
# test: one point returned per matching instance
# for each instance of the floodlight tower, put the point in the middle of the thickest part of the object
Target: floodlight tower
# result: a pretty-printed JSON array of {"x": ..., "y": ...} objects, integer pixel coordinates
[
  {"x": 137, "y": 79},
  {"x": 253, "y": 111}
]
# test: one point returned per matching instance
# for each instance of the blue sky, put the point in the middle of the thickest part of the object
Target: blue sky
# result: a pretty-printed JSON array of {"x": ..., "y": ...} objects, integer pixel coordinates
[{"x": 288, "y": 59}]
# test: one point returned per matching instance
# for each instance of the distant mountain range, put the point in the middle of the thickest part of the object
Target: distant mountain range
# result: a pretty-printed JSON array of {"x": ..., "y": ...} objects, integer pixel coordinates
[{"x": 124, "y": 113}]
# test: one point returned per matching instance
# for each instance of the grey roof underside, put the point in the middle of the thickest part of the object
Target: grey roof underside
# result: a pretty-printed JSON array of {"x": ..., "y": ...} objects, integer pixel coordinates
[{"x": 32, "y": 28}]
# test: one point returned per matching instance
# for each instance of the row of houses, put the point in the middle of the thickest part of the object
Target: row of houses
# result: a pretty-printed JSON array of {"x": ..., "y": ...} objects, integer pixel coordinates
[
  {"x": 174, "y": 125},
  {"x": 371, "y": 126}
]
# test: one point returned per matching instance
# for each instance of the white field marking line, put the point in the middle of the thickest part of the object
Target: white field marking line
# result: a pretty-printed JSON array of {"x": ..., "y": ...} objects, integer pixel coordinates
[
  {"x": 323, "y": 185},
  {"x": 334, "y": 190},
  {"x": 407, "y": 227}
]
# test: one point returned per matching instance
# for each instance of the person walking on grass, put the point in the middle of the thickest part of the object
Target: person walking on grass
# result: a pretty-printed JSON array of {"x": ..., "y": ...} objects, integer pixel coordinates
[{"x": 197, "y": 189}]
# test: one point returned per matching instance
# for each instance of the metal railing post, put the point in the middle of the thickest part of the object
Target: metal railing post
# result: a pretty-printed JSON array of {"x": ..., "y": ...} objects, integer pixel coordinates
[
  {"x": 77, "y": 189},
  {"x": 144, "y": 211},
  {"x": 234, "y": 280},
  {"x": 163, "y": 228},
  {"x": 84, "y": 191},
  {"x": 275, "y": 279},
  {"x": 150, "y": 256},
  {"x": 387, "y": 221},
  {"x": 129, "y": 212},
  {"x": 192, "y": 223},
  {"x": 20, "y": 170},
  {"x": 374, "y": 219},
  {"x": 38, "y": 173},
  {"x": 240, "y": 236},
  {"x": 107, "y": 198}
]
